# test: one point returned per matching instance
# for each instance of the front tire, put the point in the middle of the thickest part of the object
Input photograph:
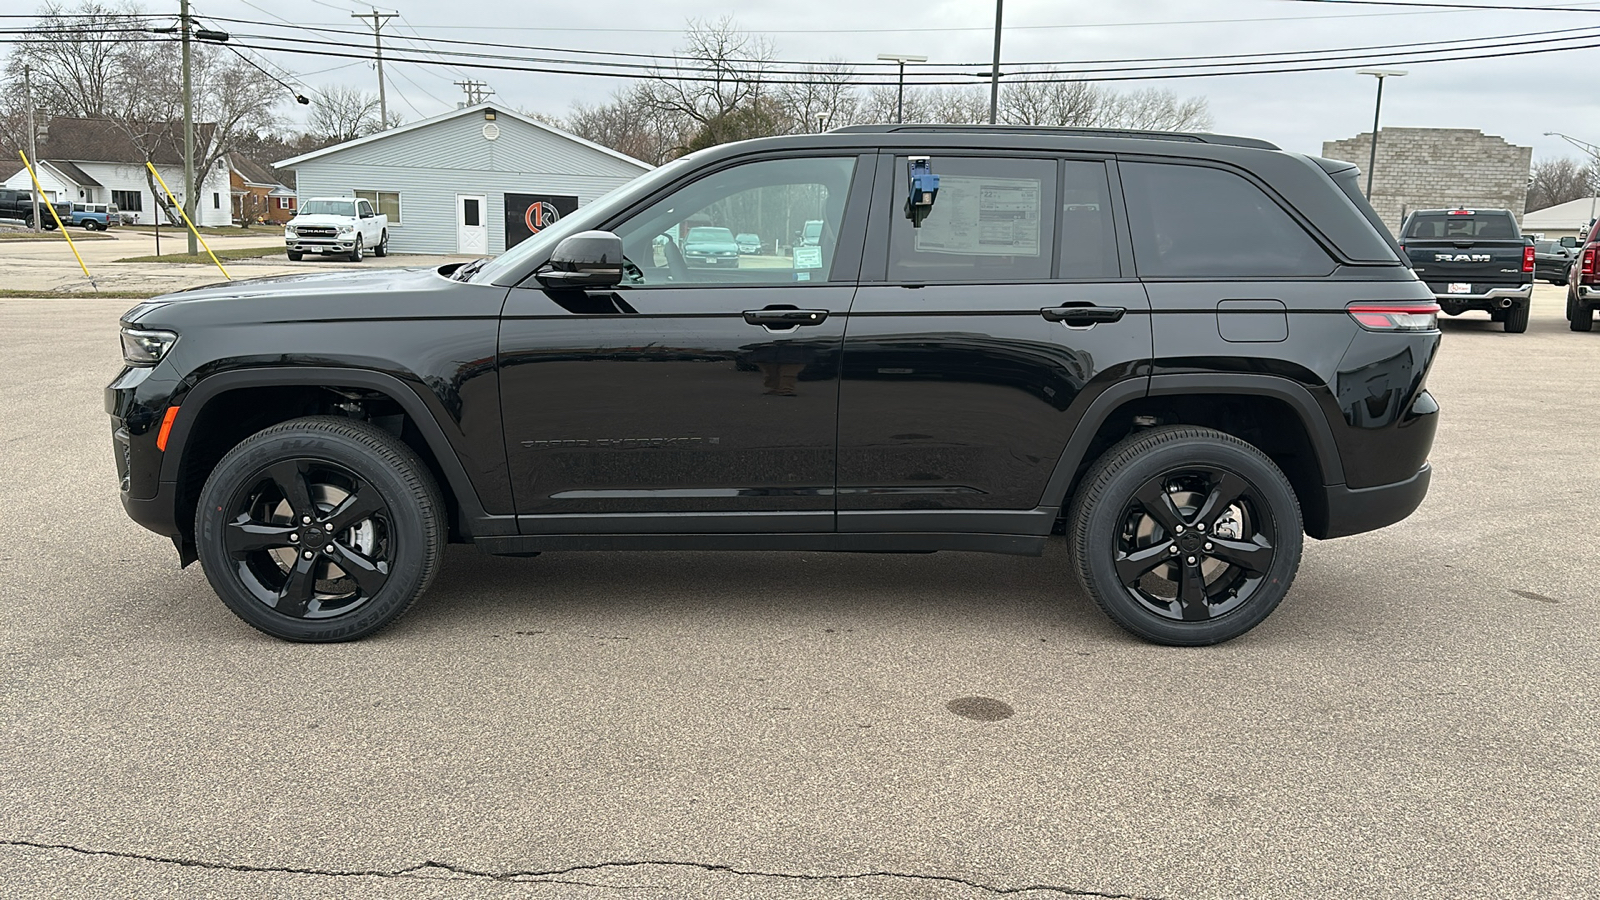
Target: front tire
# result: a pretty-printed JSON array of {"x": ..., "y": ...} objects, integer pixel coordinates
[
  {"x": 320, "y": 529},
  {"x": 1185, "y": 536},
  {"x": 1517, "y": 317},
  {"x": 356, "y": 251},
  {"x": 296, "y": 256}
]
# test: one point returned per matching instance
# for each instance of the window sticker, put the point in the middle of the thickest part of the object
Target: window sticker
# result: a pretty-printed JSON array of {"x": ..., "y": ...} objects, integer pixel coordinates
[
  {"x": 981, "y": 216},
  {"x": 810, "y": 257}
]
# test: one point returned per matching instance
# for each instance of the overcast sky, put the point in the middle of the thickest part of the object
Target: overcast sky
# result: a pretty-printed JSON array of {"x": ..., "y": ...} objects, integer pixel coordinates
[{"x": 1517, "y": 98}]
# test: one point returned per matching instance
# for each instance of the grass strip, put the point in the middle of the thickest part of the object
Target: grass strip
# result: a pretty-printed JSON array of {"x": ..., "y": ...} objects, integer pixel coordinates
[
  {"x": 201, "y": 258},
  {"x": 10, "y": 294}
]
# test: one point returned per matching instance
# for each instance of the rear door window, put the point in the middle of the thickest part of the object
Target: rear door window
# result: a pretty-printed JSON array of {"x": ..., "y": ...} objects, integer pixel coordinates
[
  {"x": 993, "y": 221},
  {"x": 1203, "y": 222}
]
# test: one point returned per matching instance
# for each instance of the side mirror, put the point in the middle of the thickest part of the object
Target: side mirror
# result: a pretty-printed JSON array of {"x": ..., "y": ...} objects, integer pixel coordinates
[
  {"x": 588, "y": 259},
  {"x": 1569, "y": 242}
]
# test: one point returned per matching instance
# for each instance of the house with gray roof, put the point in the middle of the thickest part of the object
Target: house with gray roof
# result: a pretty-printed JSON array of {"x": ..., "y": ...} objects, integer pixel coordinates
[
  {"x": 95, "y": 161},
  {"x": 474, "y": 180}
]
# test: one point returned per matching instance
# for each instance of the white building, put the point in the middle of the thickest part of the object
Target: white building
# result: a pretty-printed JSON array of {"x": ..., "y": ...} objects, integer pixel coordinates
[
  {"x": 474, "y": 180},
  {"x": 1562, "y": 220},
  {"x": 93, "y": 161}
]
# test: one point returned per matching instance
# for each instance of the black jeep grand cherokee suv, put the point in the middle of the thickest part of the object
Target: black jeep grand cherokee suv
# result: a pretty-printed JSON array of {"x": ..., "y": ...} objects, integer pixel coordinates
[{"x": 1184, "y": 351}]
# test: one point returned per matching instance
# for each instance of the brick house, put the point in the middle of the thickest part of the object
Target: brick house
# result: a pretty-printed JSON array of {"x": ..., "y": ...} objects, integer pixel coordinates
[{"x": 259, "y": 193}]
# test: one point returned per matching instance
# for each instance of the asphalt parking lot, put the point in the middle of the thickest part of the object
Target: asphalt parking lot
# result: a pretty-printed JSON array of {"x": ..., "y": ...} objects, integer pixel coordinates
[{"x": 1417, "y": 720}]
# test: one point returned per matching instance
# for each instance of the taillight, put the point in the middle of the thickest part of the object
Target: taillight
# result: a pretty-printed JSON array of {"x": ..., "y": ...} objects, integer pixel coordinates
[
  {"x": 1588, "y": 261},
  {"x": 1527, "y": 259},
  {"x": 1396, "y": 317}
]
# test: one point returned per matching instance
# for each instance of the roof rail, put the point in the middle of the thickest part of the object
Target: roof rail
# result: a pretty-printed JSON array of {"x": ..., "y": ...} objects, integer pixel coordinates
[{"x": 1195, "y": 137}]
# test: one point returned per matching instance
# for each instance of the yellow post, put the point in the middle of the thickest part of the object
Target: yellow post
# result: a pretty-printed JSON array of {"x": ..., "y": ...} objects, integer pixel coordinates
[
  {"x": 39, "y": 192},
  {"x": 186, "y": 221}
]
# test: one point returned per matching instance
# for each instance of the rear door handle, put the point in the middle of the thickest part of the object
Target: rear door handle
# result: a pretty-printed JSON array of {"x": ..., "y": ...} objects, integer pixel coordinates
[
  {"x": 785, "y": 318},
  {"x": 1082, "y": 315}
]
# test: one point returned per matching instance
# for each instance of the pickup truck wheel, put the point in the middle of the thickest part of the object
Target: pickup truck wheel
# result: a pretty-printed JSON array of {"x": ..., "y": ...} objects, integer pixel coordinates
[
  {"x": 1452, "y": 309},
  {"x": 1517, "y": 317},
  {"x": 1185, "y": 536},
  {"x": 320, "y": 529},
  {"x": 356, "y": 253},
  {"x": 1581, "y": 317},
  {"x": 296, "y": 256},
  {"x": 382, "y": 249}
]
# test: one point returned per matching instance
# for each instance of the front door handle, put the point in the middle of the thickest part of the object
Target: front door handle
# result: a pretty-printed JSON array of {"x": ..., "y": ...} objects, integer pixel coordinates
[
  {"x": 1078, "y": 316},
  {"x": 785, "y": 318}
]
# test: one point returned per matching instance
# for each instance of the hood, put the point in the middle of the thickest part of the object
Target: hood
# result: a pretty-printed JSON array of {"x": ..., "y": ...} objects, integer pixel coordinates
[
  {"x": 320, "y": 296},
  {"x": 322, "y": 219}
]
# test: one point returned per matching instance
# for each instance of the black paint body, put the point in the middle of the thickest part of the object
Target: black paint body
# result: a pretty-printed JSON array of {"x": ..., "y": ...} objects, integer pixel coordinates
[{"x": 908, "y": 417}]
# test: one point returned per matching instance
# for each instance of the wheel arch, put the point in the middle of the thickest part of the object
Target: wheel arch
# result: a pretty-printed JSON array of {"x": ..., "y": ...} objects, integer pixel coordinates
[
  {"x": 1278, "y": 416},
  {"x": 224, "y": 409}
]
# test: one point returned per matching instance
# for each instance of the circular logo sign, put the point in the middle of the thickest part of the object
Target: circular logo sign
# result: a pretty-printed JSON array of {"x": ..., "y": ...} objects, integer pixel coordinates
[{"x": 541, "y": 215}]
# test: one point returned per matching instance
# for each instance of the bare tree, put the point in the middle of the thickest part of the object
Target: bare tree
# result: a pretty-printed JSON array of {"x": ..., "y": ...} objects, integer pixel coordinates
[
  {"x": 135, "y": 82},
  {"x": 343, "y": 113},
  {"x": 1559, "y": 180},
  {"x": 722, "y": 72},
  {"x": 630, "y": 123},
  {"x": 828, "y": 98}
]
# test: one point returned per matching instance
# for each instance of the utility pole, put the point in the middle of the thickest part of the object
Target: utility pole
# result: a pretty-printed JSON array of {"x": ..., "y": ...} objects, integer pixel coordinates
[
  {"x": 900, "y": 94},
  {"x": 188, "y": 124},
  {"x": 33, "y": 150},
  {"x": 994, "y": 76},
  {"x": 476, "y": 91},
  {"x": 378, "y": 21}
]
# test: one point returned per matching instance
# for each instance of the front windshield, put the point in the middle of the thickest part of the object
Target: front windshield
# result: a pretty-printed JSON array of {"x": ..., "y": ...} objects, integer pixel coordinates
[
  {"x": 586, "y": 218},
  {"x": 328, "y": 208}
]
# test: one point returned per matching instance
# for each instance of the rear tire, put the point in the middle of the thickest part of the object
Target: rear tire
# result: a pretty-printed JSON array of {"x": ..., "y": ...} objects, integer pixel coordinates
[
  {"x": 1192, "y": 513},
  {"x": 320, "y": 529},
  {"x": 1517, "y": 317}
]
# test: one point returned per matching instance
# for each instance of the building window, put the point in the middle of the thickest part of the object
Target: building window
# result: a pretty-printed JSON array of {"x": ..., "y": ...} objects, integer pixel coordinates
[
  {"x": 385, "y": 202},
  {"x": 128, "y": 201},
  {"x": 216, "y": 200},
  {"x": 283, "y": 202}
]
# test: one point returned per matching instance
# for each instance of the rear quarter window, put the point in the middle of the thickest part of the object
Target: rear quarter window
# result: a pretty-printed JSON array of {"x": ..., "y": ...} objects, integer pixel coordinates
[{"x": 1202, "y": 222}]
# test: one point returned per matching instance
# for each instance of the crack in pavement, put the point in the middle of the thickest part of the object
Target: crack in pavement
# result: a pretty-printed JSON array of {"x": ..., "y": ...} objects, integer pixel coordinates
[{"x": 555, "y": 876}]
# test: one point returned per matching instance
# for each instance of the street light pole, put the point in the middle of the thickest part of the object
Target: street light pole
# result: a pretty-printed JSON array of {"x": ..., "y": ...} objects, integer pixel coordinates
[
  {"x": 994, "y": 74},
  {"x": 900, "y": 95},
  {"x": 1377, "y": 111}
]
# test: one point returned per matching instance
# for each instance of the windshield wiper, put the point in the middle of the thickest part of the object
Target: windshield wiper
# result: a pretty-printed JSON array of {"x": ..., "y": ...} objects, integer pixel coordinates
[{"x": 465, "y": 272}]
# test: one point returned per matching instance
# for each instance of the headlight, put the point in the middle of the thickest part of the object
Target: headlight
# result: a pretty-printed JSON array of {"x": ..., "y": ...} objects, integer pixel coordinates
[
  {"x": 347, "y": 229},
  {"x": 288, "y": 231},
  {"x": 145, "y": 348}
]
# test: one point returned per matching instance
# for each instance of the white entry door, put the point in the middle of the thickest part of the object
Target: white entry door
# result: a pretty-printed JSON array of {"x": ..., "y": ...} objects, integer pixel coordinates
[{"x": 472, "y": 230}]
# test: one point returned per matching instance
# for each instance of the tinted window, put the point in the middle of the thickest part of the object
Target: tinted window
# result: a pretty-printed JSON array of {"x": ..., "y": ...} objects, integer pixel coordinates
[
  {"x": 1200, "y": 222},
  {"x": 1088, "y": 237},
  {"x": 1486, "y": 225},
  {"x": 993, "y": 220},
  {"x": 795, "y": 207}
]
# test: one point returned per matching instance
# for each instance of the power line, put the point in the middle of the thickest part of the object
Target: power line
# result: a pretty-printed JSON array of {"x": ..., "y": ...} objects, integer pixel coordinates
[{"x": 1452, "y": 7}]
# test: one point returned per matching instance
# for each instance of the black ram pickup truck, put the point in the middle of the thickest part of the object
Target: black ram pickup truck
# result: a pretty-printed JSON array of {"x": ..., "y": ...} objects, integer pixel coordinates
[
  {"x": 1184, "y": 352},
  {"x": 1473, "y": 259}
]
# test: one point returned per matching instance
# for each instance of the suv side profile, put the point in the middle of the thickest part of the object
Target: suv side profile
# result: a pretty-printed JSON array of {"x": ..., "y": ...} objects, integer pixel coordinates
[{"x": 1184, "y": 352}]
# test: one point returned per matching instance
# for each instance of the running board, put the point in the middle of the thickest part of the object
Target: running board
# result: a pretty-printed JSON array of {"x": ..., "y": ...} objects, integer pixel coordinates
[{"x": 1011, "y": 544}]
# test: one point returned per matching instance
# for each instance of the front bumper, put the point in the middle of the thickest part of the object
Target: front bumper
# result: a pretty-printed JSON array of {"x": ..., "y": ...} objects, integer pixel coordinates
[{"x": 321, "y": 245}]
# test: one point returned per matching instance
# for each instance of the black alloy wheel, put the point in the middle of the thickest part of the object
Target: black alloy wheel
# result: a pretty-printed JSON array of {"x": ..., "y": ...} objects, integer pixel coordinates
[
  {"x": 320, "y": 529},
  {"x": 1186, "y": 536}
]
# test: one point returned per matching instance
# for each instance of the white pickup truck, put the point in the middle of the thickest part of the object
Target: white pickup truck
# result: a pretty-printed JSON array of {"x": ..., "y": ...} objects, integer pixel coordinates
[{"x": 342, "y": 225}]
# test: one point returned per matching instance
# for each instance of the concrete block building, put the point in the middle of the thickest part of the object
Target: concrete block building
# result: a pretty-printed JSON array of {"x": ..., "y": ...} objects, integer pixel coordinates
[
  {"x": 1432, "y": 168},
  {"x": 472, "y": 181}
]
